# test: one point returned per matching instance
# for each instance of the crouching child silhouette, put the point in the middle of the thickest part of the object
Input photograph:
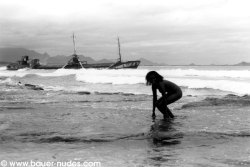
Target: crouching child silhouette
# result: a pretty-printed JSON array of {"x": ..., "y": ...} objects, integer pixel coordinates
[{"x": 169, "y": 90}]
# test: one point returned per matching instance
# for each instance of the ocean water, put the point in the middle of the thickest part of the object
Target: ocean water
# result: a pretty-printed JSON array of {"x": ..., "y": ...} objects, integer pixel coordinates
[{"x": 105, "y": 116}]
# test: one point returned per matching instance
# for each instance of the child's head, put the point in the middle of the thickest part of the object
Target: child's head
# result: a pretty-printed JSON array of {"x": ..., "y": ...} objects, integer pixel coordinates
[{"x": 153, "y": 77}]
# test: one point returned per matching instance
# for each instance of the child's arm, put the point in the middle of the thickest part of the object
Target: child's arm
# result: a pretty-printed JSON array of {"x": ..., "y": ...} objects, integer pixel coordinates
[{"x": 154, "y": 100}]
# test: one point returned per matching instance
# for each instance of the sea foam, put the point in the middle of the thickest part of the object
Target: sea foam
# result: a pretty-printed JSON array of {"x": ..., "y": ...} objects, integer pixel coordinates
[{"x": 235, "y": 81}]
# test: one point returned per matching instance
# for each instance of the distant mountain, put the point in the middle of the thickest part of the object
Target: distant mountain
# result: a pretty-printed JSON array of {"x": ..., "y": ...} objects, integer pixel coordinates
[
  {"x": 4, "y": 63},
  {"x": 15, "y": 54},
  {"x": 64, "y": 59},
  {"x": 61, "y": 60},
  {"x": 242, "y": 64},
  {"x": 104, "y": 61},
  {"x": 145, "y": 62},
  {"x": 8, "y": 55}
]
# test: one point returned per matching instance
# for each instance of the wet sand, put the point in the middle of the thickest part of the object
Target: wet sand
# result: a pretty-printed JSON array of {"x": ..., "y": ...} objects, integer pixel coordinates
[{"x": 118, "y": 129}]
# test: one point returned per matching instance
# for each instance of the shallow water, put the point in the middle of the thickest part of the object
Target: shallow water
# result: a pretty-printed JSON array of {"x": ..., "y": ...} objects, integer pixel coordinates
[{"x": 112, "y": 124}]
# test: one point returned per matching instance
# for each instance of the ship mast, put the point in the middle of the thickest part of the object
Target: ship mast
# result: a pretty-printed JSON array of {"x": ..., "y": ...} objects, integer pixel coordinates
[
  {"x": 75, "y": 55},
  {"x": 74, "y": 44},
  {"x": 120, "y": 56}
]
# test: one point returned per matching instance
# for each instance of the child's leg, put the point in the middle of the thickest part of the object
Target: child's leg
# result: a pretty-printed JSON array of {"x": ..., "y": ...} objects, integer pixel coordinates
[
  {"x": 162, "y": 107},
  {"x": 168, "y": 99},
  {"x": 171, "y": 98},
  {"x": 171, "y": 115}
]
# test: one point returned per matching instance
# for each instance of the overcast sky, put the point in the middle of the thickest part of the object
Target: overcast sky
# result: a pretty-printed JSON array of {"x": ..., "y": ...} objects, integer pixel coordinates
[{"x": 169, "y": 31}]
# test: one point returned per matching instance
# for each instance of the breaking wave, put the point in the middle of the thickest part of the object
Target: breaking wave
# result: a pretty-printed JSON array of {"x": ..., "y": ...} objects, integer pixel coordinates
[
  {"x": 231, "y": 81},
  {"x": 51, "y": 137},
  {"x": 129, "y": 73},
  {"x": 206, "y": 73}
]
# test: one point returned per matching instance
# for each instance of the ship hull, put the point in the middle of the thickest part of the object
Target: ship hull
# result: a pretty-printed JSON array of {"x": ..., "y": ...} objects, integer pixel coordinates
[
  {"x": 127, "y": 64},
  {"x": 117, "y": 65},
  {"x": 121, "y": 65},
  {"x": 16, "y": 66}
]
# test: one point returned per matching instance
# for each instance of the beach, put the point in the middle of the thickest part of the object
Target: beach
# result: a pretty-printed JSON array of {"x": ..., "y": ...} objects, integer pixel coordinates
[{"x": 104, "y": 116}]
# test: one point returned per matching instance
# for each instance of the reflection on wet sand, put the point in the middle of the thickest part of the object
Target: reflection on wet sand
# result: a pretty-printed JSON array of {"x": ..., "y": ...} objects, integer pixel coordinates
[
  {"x": 164, "y": 138},
  {"x": 163, "y": 132}
]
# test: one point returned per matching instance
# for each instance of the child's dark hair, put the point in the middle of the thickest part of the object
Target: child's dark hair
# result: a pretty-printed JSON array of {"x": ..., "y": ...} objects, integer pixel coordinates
[{"x": 157, "y": 76}]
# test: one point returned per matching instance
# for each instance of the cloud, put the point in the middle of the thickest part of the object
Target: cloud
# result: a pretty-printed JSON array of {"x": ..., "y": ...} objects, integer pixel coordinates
[{"x": 170, "y": 30}]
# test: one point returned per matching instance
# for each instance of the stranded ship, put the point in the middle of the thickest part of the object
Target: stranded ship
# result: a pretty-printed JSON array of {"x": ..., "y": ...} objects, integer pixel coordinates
[{"x": 74, "y": 63}]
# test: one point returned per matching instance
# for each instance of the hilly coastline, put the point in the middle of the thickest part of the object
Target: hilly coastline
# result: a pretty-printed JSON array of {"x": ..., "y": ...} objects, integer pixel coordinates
[
  {"x": 242, "y": 64},
  {"x": 9, "y": 55},
  {"x": 14, "y": 54}
]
